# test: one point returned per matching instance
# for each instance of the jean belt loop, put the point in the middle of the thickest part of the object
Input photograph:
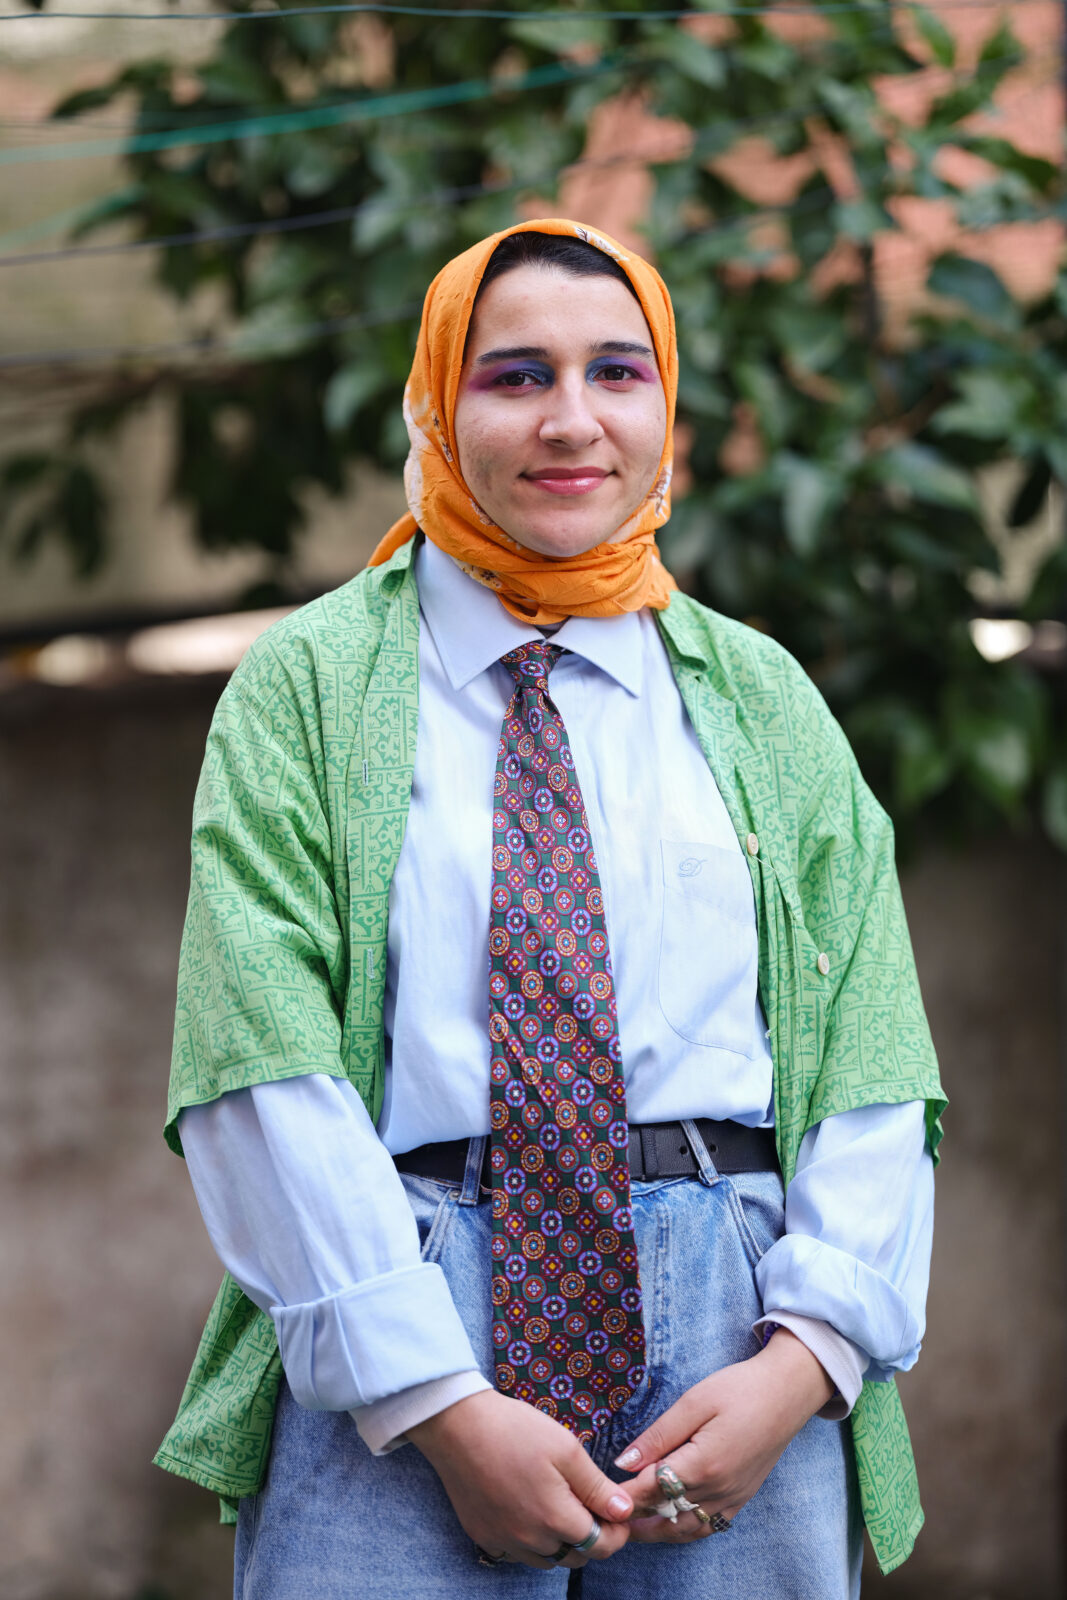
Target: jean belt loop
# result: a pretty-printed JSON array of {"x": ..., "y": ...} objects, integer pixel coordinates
[
  {"x": 708, "y": 1171},
  {"x": 472, "y": 1176}
]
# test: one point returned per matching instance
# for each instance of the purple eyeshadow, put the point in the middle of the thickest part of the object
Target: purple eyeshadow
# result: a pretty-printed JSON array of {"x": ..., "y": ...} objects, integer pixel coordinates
[
  {"x": 486, "y": 379},
  {"x": 639, "y": 369}
]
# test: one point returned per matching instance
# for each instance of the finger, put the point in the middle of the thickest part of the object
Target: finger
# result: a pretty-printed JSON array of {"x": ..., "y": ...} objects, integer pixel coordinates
[
  {"x": 693, "y": 1462},
  {"x": 660, "y": 1530},
  {"x": 610, "y": 1540},
  {"x": 605, "y": 1499},
  {"x": 531, "y": 1558},
  {"x": 669, "y": 1430}
]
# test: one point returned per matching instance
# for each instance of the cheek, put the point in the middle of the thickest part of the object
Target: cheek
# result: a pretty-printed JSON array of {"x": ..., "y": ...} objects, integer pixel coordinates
[
  {"x": 482, "y": 446},
  {"x": 645, "y": 434}
]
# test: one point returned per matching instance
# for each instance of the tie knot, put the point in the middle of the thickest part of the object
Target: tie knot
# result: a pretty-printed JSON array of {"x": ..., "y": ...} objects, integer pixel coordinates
[{"x": 531, "y": 664}]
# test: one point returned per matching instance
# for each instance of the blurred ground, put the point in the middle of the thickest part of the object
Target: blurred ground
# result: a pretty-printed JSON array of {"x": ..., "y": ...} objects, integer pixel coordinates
[{"x": 105, "y": 1279}]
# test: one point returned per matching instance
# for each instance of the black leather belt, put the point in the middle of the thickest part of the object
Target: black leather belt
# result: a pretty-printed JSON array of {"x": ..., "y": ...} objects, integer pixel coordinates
[{"x": 657, "y": 1150}]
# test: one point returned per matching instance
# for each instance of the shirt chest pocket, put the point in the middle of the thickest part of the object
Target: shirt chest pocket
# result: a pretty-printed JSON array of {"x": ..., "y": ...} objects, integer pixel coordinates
[{"x": 708, "y": 961}]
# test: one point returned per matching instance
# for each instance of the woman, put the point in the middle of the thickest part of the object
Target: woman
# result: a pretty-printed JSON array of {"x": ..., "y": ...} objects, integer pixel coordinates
[{"x": 540, "y": 926}]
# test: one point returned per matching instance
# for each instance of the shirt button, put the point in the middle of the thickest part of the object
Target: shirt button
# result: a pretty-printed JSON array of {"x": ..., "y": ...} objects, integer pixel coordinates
[
  {"x": 752, "y": 845},
  {"x": 823, "y": 963}
]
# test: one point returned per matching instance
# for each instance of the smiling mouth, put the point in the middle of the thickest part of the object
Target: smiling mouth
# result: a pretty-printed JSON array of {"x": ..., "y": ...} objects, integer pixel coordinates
[{"x": 567, "y": 480}]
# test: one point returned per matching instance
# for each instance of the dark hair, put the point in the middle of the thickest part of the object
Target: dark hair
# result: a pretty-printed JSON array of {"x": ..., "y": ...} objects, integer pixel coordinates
[{"x": 581, "y": 260}]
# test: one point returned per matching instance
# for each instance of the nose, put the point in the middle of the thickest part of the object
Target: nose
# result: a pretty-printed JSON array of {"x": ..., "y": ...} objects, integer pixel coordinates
[{"x": 570, "y": 417}]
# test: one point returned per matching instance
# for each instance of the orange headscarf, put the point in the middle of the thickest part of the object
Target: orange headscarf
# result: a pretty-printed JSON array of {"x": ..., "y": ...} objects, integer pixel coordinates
[{"x": 611, "y": 578}]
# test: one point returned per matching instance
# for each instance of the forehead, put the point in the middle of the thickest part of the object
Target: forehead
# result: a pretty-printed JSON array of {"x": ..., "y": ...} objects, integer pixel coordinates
[{"x": 534, "y": 305}]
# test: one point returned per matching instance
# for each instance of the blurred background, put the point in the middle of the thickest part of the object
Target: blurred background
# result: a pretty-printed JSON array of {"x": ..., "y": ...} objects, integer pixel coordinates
[{"x": 214, "y": 238}]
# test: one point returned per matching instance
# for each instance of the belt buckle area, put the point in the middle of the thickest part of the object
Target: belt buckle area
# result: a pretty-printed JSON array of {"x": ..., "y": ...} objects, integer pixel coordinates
[
  {"x": 665, "y": 1151},
  {"x": 649, "y": 1152}
]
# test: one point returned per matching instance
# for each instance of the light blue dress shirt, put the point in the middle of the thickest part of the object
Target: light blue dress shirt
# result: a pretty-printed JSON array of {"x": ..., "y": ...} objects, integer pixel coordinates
[{"x": 296, "y": 1185}]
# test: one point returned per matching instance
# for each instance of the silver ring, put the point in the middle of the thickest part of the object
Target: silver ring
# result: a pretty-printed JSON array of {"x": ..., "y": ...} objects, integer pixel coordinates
[
  {"x": 670, "y": 1482},
  {"x": 589, "y": 1541},
  {"x": 719, "y": 1523},
  {"x": 486, "y": 1560}
]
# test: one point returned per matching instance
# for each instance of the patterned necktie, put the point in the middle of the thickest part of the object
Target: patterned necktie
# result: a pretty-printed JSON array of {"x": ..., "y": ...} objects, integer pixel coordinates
[{"x": 567, "y": 1330}]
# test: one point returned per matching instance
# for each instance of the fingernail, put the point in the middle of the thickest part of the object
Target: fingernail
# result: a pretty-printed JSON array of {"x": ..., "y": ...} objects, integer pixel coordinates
[
  {"x": 620, "y": 1506},
  {"x": 629, "y": 1458}
]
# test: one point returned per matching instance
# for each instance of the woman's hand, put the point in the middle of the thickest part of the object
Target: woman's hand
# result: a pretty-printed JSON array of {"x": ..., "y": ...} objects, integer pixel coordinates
[
  {"x": 521, "y": 1485},
  {"x": 724, "y": 1435}
]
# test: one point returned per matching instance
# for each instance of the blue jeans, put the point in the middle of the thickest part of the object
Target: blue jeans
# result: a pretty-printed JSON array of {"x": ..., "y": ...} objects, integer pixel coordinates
[{"x": 333, "y": 1522}]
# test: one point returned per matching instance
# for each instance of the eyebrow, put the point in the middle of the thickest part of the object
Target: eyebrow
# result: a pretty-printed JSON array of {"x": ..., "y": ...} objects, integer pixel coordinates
[{"x": 536, "y": 352}]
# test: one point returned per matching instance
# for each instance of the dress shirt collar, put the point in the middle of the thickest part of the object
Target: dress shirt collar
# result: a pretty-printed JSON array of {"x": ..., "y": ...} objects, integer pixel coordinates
[{"x": 472, "y": 630}]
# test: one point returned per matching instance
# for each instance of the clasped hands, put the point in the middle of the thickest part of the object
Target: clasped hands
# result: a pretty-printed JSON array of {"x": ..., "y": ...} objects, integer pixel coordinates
[{"x": 521, "y": 1484}]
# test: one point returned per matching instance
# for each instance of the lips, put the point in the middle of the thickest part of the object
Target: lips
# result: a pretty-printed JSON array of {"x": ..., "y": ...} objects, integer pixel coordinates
[{"x": 567, "y": 480}]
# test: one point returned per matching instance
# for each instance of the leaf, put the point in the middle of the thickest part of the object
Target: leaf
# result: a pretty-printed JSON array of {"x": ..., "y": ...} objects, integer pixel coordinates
[
  {"x": 20, "y": 471},
  {"x": 235, "y": 80},
  {"x": 277, "y": 328},
  {"x": 348, "y": 392},
  {"x": 855, "y": 109},
  {"x": 766, "y": 55},
  {"x": 690, "y": 56},
  {"x": 927, "y": 476},
  {"x": 962, "y": 102},
  {"x": 861, "y": 219},
  {"x": 1001, "y": 47},
  {"x": 812, "y": 337},
  {"x": 991, "y": 405},
  {"x": 80, "y": 512},
  {"x": 1035, "y": 170},
  {"x": 977, "y": 285},
  {"x": 937, "y": 36},
  {"x": 30, "y": 537},
  {"x": 566, "y": 32},
  {"x": 999, "y": 754},
  {"x": 809, "y": 494},
  {"x": 83, "y": 100},
  {"x": 1031, "y": 494},
  {"x": 922, "y": 763},
  {"x": 1054, "y": 805},
  {"x": 1048, "y": 592},
  {"x": 766, "y": 392}
]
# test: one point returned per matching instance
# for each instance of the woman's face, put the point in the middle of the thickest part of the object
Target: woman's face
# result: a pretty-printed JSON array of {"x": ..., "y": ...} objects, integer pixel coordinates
[{"x": 561, "y": 415}]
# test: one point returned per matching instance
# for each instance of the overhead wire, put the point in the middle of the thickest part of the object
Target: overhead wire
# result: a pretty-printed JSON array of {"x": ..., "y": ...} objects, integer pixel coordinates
[
  {"x": 482, "y": 14},
  {"x": 150, "y": 121},
  {"x": 399, "y": 103},
  {"x": 369, "y": 107},
  {"x": 240, "y": 344},
  {"x": 72, "y": 215}
]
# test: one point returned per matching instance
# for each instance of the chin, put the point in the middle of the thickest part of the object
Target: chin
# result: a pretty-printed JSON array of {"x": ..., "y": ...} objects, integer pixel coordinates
[{"x": 557, "y": 543}]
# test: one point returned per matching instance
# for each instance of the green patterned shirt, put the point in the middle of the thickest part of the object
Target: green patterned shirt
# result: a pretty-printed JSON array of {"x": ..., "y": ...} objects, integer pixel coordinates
[{"x": 297, "y": 827}]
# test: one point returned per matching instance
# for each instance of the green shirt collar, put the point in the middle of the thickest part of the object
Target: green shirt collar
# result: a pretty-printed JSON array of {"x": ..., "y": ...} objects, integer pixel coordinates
[{"x": 391, "y": 574}]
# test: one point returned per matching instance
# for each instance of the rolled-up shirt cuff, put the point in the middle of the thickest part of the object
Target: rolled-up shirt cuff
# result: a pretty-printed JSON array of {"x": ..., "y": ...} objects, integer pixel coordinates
[
  {"x": 812, "y": 1279},
  {"x": 382, "y": 1336},
  {"x": 843, "y": 1362},
  {"x": 383, "y": 1425}
]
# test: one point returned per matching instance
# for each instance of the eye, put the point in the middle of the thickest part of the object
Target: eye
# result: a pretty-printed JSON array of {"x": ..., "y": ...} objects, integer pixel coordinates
[
  {"x": 519, "y": 379},
  {"x": 615, "y": 372}
]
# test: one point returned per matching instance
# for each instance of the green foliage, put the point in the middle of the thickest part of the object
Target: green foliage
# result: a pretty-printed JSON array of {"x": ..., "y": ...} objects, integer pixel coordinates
[{"x": 854, "y": 534}]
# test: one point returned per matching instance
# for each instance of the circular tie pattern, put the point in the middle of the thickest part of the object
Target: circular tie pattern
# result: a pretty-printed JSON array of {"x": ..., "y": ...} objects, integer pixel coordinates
[{"x": 567, "y": 1328}]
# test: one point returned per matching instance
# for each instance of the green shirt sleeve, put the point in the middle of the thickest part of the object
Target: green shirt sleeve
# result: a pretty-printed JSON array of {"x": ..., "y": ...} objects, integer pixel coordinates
[
  {"x": 877, "y": 1046},
  {"x": 263, "y": 966}
]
